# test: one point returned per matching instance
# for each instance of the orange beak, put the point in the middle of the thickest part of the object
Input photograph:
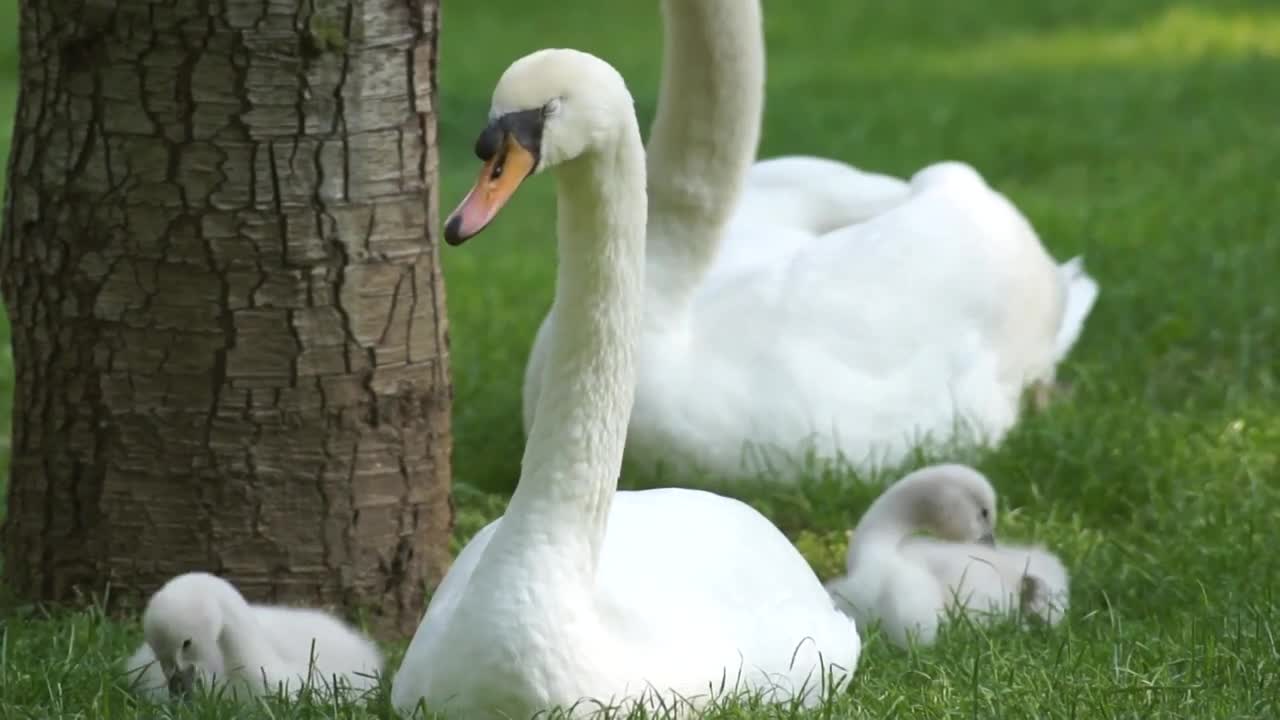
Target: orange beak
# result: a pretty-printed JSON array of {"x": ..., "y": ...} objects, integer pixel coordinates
[{"x": 498, "y": 180}]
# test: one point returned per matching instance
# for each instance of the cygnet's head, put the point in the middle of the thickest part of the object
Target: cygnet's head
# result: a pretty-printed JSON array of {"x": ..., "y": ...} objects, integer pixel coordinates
[
  {"x": 549, "y": 108},
  {"x": 953, "y": 502},
  {"x": 182, "y": 624}
]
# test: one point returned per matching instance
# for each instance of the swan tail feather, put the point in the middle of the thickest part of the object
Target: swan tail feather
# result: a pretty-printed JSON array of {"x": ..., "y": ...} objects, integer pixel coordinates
[{"x": 1081, "y": 294}]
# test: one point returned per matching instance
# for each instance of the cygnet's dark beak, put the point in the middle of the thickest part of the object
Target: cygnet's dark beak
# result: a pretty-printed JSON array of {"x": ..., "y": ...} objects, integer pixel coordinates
[
  {"x": 181, "y": 682},
  {"x": 989, "y": 540}
]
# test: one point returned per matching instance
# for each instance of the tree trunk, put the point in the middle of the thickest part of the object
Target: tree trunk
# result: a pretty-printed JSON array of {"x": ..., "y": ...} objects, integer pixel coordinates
[{"x": 228, "y": 321}]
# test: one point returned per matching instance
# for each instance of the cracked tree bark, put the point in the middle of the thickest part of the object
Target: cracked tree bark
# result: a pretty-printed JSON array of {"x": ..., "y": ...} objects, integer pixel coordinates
[{"x": 228, "y": 318}]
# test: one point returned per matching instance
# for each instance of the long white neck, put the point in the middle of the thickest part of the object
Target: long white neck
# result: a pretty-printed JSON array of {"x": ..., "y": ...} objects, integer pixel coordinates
[
  {"x": 574, "y": 452},
  {"x": 703, "y": 139},
  {"x": 883, "y": 526},
  {"x": 243, "y": 642}
]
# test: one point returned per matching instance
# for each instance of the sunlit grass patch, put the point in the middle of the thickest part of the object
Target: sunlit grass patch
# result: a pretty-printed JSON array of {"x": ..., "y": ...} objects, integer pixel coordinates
[{"x": 1179, "y": 35}]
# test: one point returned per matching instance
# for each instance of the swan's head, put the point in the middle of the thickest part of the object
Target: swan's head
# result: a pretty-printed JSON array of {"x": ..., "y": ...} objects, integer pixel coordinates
[
  {"x": 953, "y": 502},
  {"x": 182, "y": 624},
  {"x": 549, "y": 108}
]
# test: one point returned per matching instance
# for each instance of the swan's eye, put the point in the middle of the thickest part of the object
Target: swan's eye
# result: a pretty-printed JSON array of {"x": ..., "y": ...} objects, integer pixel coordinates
[
  {"x": 985, "y": 514},
  {"x": 186, "y": 644},
  {"x": 498, "y": 167}
]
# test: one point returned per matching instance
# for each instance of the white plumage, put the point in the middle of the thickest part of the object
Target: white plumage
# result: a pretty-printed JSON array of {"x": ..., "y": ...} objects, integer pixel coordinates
[
  {"x": 802, "y": 305},
  {"x": 909, "y": 584},
  {"x": 199, "y": 629},
  {"x": 579, "y": 593}
]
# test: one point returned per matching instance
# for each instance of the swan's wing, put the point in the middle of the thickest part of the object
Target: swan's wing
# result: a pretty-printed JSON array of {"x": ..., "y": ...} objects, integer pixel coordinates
[
  {"x": 415, "y": 670},
  {"x": 990, "y": 579},
  {"x": 975, "y": 577},
  {"x": 954, "y": 268},
  {"x": 816, "y": 195},
  {"x": 314, "y": 643},
  {"x": 990, "y": 574},
  {"x": 927, "y": 319},
  {"x": 792, "y": 200},
  {"x": 694, "y": 570},
  {"x": 954, "y": 240}
]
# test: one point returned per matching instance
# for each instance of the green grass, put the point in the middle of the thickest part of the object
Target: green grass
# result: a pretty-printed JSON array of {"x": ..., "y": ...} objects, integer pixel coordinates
[{"x": 1142, "y": 133}]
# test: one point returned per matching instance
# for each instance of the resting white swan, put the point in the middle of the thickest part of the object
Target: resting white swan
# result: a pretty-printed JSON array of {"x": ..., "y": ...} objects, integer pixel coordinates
[
  {"x": 198, "y": 628},
  {"x": 820, "y": 308},
  {"x": 580, "y": 593},
  {"x": 908, "y": 583}
]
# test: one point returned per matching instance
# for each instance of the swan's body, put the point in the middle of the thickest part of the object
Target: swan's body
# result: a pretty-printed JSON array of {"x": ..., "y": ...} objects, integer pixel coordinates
[
  {"x": 804, "y": 305},
  {"x": 199, "y": 628},
  {"x": 694, "y": 592},
  {"x": 909, "y": 584},
  {"x": 577, "y": 593}
]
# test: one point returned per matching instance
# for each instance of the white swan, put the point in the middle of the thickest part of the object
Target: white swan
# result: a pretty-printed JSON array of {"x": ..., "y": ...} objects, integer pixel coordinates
[
  {"x": 909, "y": 584},
  {"x": 579, "y": 592},
  {"x": 199, "y": 629},
  {"x": 819, "y": 307}
]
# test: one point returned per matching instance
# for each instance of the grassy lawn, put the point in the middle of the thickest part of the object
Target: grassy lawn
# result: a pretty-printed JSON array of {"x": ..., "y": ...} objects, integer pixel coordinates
[{"x": 1143, "y": 133}]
